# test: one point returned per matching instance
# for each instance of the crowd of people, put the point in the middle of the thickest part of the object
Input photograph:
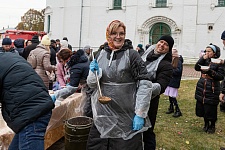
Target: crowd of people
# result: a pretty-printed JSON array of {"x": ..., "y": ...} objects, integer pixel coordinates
[{"x": 132, "y": 79}]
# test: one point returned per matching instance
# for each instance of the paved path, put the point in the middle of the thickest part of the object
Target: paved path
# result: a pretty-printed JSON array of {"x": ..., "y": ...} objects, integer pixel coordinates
[{"x": 188, "y": 74}]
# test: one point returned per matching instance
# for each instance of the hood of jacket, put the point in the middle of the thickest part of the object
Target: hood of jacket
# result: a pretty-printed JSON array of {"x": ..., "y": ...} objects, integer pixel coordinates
[
  {"x": 78, "y": 57},
  {"x": 19, "y": 43},
  {"x": 40, "y": 46}
]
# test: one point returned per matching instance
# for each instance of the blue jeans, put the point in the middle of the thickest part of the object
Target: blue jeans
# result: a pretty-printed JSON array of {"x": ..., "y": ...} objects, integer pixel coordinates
[{"x": 31, "y": 137}]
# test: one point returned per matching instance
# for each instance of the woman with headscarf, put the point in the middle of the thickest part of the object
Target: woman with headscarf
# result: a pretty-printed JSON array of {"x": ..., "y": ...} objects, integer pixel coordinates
[{"x": 118, "y": 125}]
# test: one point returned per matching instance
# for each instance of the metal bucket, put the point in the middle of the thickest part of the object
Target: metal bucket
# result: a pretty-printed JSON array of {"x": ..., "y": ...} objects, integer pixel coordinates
[{"x": 76, "y": 132}]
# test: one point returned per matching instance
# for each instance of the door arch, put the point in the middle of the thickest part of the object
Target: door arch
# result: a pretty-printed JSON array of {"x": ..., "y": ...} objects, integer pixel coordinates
[{"x": 157, "y": 30}]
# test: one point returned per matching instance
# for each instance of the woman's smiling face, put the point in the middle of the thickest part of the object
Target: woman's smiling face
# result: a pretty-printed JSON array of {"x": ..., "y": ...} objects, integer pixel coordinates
[{"x": 118, "y": 37}]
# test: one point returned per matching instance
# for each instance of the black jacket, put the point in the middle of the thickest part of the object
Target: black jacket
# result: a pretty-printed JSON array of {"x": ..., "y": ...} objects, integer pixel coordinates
[
  {"x": 163, "y": 76},
  {"x": 208, "y": 90},
  {"x": 53, "y": 55},
  {"x": 79, "y": 69},
  {"x": 29, "y": 48},
  {"x": 164, "y": 71},
  {"x": 12, "y": 50},
  {"x": 19, "y": 44},
  {"x": 176, "y": 77},
  {"x": 24, "y": 97}
]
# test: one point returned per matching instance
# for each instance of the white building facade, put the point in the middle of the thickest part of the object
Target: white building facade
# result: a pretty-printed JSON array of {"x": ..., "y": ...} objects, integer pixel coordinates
[{"x": 192, "y": 23}]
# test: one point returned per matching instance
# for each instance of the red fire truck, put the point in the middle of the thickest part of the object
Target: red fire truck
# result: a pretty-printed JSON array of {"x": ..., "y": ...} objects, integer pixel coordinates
[{"x": 26, "y": 35}]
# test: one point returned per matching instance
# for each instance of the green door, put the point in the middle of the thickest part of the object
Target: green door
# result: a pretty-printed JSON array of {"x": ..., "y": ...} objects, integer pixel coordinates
[{"x": 157, "y": 31}]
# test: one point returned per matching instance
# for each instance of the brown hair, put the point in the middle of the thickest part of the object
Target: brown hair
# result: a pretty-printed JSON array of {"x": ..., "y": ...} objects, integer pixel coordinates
[
  {"x": 175, "y": 58},
  {"x": 64, "y": 54},
  {"x": 175, "y": 62}
]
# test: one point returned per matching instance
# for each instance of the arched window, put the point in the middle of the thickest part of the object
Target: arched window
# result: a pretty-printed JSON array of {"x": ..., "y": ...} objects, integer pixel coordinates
[
  {"x": 157, "y": 31},
  {"x": 117, "y": 4},
  {"x": 161, "y": 3}
]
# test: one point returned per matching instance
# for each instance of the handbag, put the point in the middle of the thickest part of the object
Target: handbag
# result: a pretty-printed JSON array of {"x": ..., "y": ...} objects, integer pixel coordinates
[{"x": 51, "y": 75}]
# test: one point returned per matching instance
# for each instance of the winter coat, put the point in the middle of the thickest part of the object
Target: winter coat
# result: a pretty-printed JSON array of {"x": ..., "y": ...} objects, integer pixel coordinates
[
  {"x": 12, "y": 50},
  {"x": 43, "y": 63},
  {"x": 176, "y": 77},
  {"x": 208, "y": 86},
  {"x": 60, "y": 74},
  {"x": 79, "y": 70},
  {"x": 53, "y": 56},
  {"x": 24, "y": 97},
  {"x": 164, "y": 71},
  {"x": 163, "y": 76},
  {"x": 29, "y": 48},
  {"x": 19, "y": 44}
]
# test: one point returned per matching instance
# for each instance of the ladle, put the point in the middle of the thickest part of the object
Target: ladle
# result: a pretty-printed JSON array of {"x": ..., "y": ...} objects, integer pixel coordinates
[{"x": 102, "y": 99}]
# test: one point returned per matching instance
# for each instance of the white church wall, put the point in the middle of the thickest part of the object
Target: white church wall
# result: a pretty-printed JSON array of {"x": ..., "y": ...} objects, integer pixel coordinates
[{"x": 191, "y": 17}]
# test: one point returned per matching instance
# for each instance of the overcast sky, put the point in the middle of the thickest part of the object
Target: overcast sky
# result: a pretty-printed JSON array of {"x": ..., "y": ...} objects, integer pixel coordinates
[{"x": 12, "y": 10}]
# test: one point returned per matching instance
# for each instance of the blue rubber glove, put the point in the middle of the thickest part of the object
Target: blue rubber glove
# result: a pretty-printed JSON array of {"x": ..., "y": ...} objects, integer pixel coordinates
[
  {"x": 53, "y": 97},
  {"x": 138, "y": 123},
  {"x": 94, "y": 66}
]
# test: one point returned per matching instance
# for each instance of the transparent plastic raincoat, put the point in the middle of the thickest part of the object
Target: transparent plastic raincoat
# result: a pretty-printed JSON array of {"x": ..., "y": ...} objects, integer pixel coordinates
[{"x": 129, "y": 97}]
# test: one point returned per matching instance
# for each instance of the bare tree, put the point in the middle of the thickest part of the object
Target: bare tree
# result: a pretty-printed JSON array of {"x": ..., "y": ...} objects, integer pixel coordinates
[{"x": 32, "y": 20}]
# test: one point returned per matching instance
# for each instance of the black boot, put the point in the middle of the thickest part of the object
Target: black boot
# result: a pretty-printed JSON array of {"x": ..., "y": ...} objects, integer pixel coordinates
[
  {"x": 206, "y": 126},
  {"x": 170, "y": 109},
  {"x": 212, "y": 127},
  {"x": 177, "y": 112}
]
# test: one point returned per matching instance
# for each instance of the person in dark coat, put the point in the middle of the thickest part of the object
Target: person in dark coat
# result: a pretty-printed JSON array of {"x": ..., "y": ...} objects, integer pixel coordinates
[
  {"x": 158, "y": 63},
  {"x": 208, "y": 87},
  {"x": 172, "y": 88},
  {"x": 222, "y": 100},
  {"x": 19, "y": 44},
  {"x": 35, "y": 41},
  {"x": 118, "y": 125},
  {"x": 222, "y": 94},
  {"x": 53, "y": 50},
  {"x": 58, "y": 46},
  {"x": 78, "y": 65},
  {"x": 7, "y": 46},
  {"x": 26, "y": 104},
  {"x": 140, "y": 49},
  {"x": 79, "y": 68}
]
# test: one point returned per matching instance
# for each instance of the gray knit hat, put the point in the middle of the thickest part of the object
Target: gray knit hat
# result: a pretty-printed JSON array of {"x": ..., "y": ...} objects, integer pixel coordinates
[{"x": 87, "y": 47}]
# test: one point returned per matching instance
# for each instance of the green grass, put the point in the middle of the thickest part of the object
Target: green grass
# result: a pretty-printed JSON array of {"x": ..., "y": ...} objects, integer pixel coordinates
[{"x": 185, "y": 132}]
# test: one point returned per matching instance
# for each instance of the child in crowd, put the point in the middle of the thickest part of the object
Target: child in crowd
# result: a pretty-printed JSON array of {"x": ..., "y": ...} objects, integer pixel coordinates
[
  {"x": 208, "y": 87},
  {"x": 172, "y": 88}
]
